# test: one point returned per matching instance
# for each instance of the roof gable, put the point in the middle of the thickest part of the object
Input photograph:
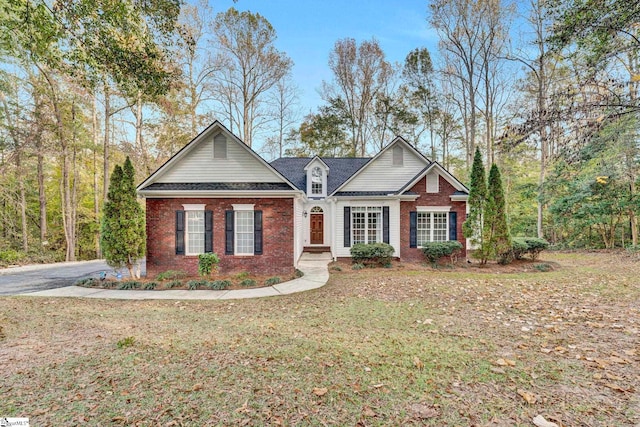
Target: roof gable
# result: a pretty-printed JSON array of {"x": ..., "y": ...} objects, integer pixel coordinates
[
  {"x": 380, "y": 174},
  {"x": 195, "y": 163},
  {"x": 435, "y": 167}
]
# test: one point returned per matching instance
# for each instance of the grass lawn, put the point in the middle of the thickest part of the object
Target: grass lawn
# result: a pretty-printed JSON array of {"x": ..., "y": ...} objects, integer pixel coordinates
[{"x": 402, "y": 346}]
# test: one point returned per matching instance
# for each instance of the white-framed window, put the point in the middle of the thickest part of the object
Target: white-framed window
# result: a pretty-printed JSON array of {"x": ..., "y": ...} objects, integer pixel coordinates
[
  {"x": 243, "y": 229},
  {"x": 366, "y": 224},
  {"x": 194, "y": 229},
  {"x": 432, "y": 227},
  {"x": 316, "y": 181}
]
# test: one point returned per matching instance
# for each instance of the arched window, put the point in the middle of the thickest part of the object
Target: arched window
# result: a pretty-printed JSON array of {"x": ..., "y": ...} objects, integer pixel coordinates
[
  {"x": 316, "y": 181},
  {"x": 316, "y": 209}
]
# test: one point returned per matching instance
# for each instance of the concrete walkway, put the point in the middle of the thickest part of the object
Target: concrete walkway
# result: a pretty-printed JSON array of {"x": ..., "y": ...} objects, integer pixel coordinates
[{"x": 314, "y": 267}]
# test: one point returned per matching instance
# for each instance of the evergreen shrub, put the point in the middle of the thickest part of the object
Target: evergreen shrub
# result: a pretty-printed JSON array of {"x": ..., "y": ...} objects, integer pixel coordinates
[
  {"x": 433, "y": 251},
  {"x": 372, "y": 253}
]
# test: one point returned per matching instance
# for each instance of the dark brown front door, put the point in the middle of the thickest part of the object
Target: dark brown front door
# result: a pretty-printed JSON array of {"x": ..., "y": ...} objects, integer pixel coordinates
[{"x": 317, "y": 229}]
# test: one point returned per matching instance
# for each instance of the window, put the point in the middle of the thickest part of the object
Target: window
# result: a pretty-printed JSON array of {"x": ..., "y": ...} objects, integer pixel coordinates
[
  {"x": 432, "y": 227},
  {"x": 398, "y": 156},
  {"x": 244, "y": 232},
  {"x": 366, "y": 224},
  {"x": 220, "y": 147},
  {"x": 316, "y": 181},
  {"x": 194, "y": 232}
]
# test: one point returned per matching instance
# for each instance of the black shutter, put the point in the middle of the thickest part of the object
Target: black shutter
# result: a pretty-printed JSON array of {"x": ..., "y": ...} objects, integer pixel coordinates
[
  {"x": 453, "y": 226},
  {"x": 385, "y": 224},
  {"x": 208, "y": 231},
  {"x": 413, "y": 229},
  {"x": 179, "y": 232},
  {"x": 228, "y": 232},
  {"x": 257, "y": 232},
  {"x": 347, "y": 226}
]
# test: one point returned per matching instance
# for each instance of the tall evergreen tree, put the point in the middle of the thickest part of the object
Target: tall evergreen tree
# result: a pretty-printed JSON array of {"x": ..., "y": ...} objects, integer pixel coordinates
[
  {"x": 473, "y": 227},
  {"x": 497, "y": 238},
  {"x": 123, "y": 222}
]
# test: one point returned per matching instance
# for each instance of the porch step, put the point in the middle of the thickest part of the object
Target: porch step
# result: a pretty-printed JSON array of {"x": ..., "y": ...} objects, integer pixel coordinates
[
  {"x": 316, "y": 256},
  {"x": 316, "y": 249}
]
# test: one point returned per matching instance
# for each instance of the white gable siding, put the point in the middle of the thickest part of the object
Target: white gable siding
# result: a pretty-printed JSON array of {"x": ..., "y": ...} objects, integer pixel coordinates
[
  {"x": 199, "y": 166},
  {"x": 394, "y": 224},
  {"x": 382, "y": 175}
]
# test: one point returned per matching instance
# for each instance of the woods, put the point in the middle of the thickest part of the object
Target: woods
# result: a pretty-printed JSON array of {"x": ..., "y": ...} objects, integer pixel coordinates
[{"x": 546, "y": 90}]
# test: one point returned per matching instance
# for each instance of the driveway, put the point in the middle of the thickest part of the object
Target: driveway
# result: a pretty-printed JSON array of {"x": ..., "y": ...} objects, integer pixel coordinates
[{"x": 33, "y": 278}]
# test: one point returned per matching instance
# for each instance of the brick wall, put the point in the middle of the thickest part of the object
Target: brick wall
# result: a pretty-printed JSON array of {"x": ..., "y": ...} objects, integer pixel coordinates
[
  {"x": 428, "y": 199},
  {"x": 277, "y": 222}
]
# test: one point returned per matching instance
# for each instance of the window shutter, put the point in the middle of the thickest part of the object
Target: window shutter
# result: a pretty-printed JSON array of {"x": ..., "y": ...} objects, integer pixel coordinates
[
  {"x": 453, "y": 226},
  {"x": 228, "y": 232},
  {"x": 257, "y": 232},
  {"x": 347, "y": 226},
  {"x": 413, "y": 229},
  {"x": 208, "y": 231},
  {"x": 385, "y": 224},
  {"x": 179, "y": 232}
]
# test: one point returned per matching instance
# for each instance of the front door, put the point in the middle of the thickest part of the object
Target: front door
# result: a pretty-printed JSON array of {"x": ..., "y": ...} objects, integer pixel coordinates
[{"x": 317, "y": 229}]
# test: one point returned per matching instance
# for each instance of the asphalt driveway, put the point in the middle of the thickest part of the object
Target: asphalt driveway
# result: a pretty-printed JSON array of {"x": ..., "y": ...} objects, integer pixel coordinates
[{"x": 32, "y": 278}]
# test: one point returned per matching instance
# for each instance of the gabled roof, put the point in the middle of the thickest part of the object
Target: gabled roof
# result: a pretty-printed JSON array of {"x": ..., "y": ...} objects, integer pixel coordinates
[
  {"x": 150, "y": 183},
  {"x": 316, "y": 158},
  {"x": 342, "y": 168},
  {"x": 461, "y": 189},
  {"x": 397, "y": 140}
]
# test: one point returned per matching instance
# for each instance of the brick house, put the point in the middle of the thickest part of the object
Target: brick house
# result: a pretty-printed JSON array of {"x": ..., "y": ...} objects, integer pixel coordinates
[{"x": 218, "y": 195}]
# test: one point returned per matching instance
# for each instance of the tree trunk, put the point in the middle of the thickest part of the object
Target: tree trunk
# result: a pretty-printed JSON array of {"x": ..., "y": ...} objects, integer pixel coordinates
[
  {"x": 42, "y": 195},
  {"x": 22, "y": 202},
  {"x": 107, "y": 114},
  {"x": 96, "y": 196}
]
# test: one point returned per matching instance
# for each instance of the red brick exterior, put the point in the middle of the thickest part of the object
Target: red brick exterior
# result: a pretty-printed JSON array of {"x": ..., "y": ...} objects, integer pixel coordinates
[
  {"x": 443, "y": 198},
  {"x": 277, "y": 223}
]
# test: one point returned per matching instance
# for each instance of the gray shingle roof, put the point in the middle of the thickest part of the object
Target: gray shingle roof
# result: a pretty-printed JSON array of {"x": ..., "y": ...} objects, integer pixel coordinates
[
  {"x": 362, "y": 193},
  {"x": 340, "y": 169},
  {"x": 218, "y": 186}
]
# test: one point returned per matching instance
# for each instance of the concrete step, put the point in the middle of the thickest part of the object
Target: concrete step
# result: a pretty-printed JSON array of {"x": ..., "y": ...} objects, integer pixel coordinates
[{"x": 323, "y": 256}]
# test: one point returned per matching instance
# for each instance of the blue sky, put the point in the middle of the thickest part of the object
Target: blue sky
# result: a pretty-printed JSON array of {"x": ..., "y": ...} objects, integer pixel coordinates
[{"x": 307, "y": 31}]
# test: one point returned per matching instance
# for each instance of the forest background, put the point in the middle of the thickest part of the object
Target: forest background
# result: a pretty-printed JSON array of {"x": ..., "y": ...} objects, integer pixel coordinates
[{"x": 548, "y": 90}]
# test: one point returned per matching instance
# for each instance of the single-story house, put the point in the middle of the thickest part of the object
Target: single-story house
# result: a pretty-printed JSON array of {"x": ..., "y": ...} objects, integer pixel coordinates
[{"x": 218, "y": 195}]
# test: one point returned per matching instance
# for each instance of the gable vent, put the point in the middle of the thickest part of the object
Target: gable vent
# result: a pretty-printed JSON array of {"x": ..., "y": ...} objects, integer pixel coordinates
[
  {"x": 220, "y": 146},
  {"x": 398, "y": 156},
  {"x": 433, "y": 183}
]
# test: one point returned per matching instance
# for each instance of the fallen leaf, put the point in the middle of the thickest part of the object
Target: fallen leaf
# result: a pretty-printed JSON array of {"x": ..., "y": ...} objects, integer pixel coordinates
[
  {"x": 320, "y": 391},
  {"x": 530, "y": 398},
  {"x": 539, "y": 421},
  {"x": 368, "y": 412},
  {"x": 418, "y": 363},
  {"x": 615, "y": 387},
  {"x": 419, "y": 410},
  {"x": 197, "y": 387},
  {"x": 505, "y": 362}
]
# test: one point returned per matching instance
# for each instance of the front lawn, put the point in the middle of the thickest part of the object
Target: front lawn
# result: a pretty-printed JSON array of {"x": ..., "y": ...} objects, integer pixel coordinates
[{"x": 373, "y": 347}]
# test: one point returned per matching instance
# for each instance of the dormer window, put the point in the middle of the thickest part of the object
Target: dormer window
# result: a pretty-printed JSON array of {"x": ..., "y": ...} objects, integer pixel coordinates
[{"x": 316, "y": 181}]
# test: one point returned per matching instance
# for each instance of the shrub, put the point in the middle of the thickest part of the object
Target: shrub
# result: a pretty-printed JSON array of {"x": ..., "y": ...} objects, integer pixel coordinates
[
  {"x": 207, "y": 263},
  {"x": 87, "y": 282},
  {"x": 535, "y": 246},
  {"x": 248, "y": 282},
  {"x": 372, "y": 253},
  {"x": 171, "y": 275},
  {"x": 149, "y": 286},
  {"x": 519, "y": 247},
  {"x": 299, "y": 273},
  {"x": 173, "y": 284},
  {"x": 336, "y": 268},
  {"x": 242, "y": 275},
  {"x": 218, "y": 285},
  {"x": 357, "y": 266},
  {"x": 433, "y": 251},
  {"x": 129, "y": 284},
  {"x": 272, "y": 281},
  {"x": 192, "y": 285},
  {"x": 543, "y": 267},
  {"x": 11, "y": 256}
]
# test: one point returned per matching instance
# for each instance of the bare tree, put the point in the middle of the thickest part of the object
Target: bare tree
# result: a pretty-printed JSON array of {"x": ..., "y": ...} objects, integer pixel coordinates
[
  {"x": 283, "y": 102},
  {"x": 360, "y": 74},
  {"x": 252, "y": 63}
]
